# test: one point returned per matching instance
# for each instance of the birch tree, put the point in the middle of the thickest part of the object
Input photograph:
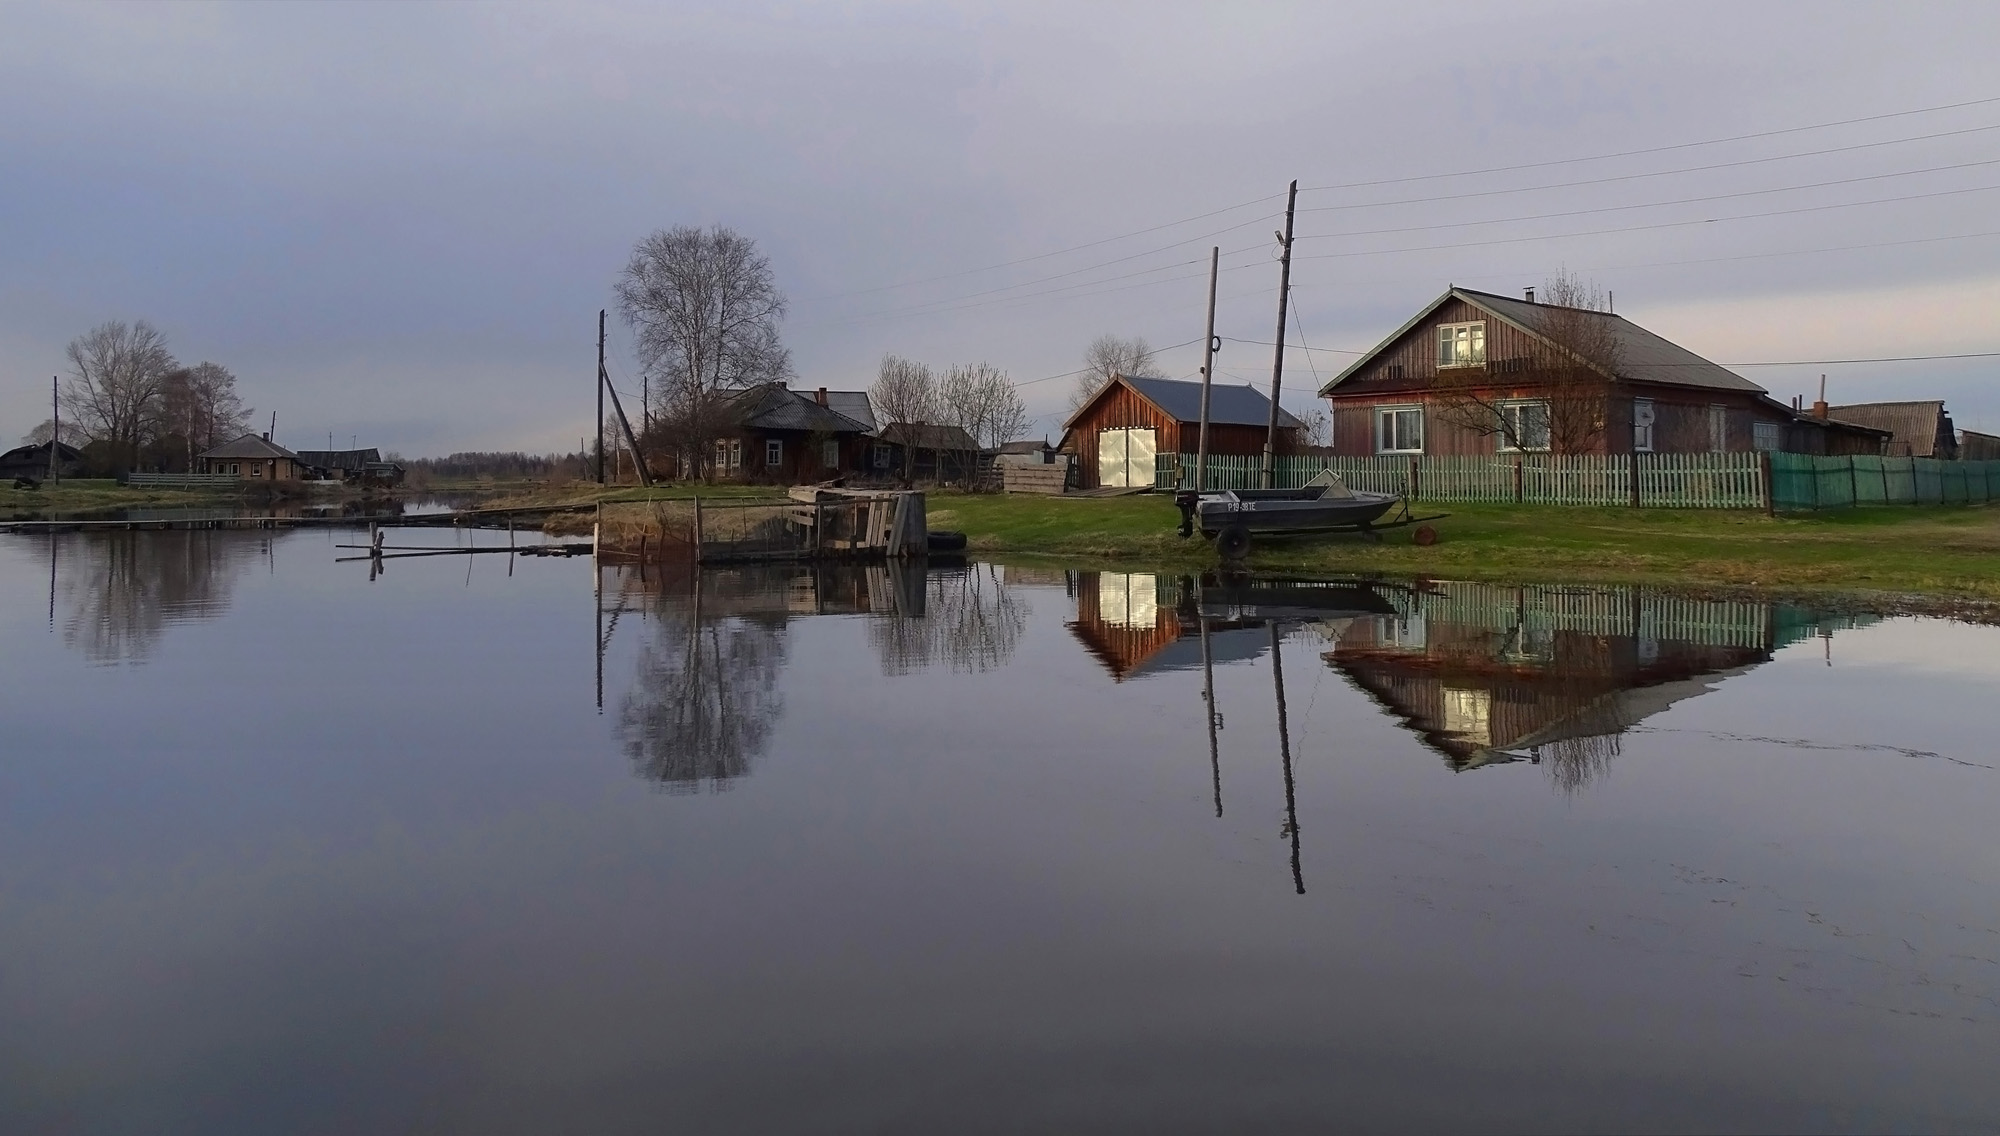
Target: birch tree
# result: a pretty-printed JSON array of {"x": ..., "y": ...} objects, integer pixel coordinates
[{"x": 117, "y": 381}]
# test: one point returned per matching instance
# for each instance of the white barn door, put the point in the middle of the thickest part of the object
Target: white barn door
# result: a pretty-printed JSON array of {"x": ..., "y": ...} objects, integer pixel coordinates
[{"x": 1125, "y": 458}]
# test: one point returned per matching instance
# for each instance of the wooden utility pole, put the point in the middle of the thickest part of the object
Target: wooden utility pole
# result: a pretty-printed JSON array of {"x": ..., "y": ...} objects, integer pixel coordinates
[
  {"x": 618, "y": 408},
  {"x": 55, "y": 428},
  {"x": 600, "y": 396},
  {"x": 1209, "y": 347},
  {"x": 1278, "y": 359}
]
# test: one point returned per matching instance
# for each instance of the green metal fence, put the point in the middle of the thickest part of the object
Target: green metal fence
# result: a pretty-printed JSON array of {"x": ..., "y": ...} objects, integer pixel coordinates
[
  {"x": 1805, "y": 481},
  {"x": 1677, "y": 481}
]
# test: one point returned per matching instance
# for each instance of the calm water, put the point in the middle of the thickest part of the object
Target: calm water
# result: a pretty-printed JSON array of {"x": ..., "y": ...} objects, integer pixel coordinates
[{"x": 459, "y": 850}]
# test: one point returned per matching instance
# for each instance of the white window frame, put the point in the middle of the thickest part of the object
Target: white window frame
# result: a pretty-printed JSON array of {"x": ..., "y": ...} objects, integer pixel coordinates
[
  {"x": 883, "y": 456},
  {"x": 774, "y": 453},
  {"x": 1515, "y": 404},
  {"x": 1760, "y": 432},
  {"x": 1386, "y": 414},
  {"x": 1449, "y": 335},
  {"x": 1642, "y": 433},
  {"x": 1718, "y": 428},
  {"x": 735, "y": 453}
]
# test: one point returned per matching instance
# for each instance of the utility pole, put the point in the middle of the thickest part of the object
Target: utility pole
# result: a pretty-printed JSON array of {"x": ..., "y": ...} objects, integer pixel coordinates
[
  {"x": 1209, "y": 347},
  {"x": 55, "y": 429},
  {"x": 1278, "y": 358},
  {"x": 600, "y": 396}
]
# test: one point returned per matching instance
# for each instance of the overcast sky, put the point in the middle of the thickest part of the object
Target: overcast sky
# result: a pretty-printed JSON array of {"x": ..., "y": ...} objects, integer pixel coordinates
[{"x": 398, "y": 222}]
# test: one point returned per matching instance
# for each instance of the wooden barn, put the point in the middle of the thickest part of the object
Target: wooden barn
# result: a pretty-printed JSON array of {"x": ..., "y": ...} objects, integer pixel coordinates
[{"x": 1118, "y": 435}]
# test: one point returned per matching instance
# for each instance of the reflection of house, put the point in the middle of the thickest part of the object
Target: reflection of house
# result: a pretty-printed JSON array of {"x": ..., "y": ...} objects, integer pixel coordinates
[
  {"x": 252, "y": 458},
  {"x": 1133, "y": 623},
  {"x": 1487, "y": 674},
  {"x": 32, "y": 462},
  {"x": 1916, "y": 429},
  {"x": 1662, "y": 397},
  {"x": 1119, "y": 434}
]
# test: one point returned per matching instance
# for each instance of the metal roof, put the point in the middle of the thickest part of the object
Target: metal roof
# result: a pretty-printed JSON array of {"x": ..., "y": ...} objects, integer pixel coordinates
[
  {"x": 1917, "y": 425},
  {"x": 1642, "y": 355},
  {"x": 852, "y": 404},
  {"x": 774, "y": 406},
  {"x": 250, "y": 446},
  {"x": 924, "y": 436},
  {"x": 340, "y": 459},
  {"x": 1228, "y": 403}
]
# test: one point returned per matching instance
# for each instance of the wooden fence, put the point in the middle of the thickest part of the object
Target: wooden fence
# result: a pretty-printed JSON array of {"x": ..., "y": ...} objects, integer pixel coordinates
[
  {"x": 1804, "y": 481},
  {"x": 179, "y": 480},
  {"x": 1664, "y": 481}
]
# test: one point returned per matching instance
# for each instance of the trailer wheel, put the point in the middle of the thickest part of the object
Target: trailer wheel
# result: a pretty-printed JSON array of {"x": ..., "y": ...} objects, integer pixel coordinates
[{"x": 1233, "y": 542}]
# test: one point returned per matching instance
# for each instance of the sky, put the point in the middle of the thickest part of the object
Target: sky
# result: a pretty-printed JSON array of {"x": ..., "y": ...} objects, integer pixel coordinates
[{"x": 397, "y": 223}]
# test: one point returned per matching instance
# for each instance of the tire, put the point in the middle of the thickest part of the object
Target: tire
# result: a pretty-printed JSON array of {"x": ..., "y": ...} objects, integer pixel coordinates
[
  {"x": 944, "y": 540},
  {"x": 1233, "y": 542}
]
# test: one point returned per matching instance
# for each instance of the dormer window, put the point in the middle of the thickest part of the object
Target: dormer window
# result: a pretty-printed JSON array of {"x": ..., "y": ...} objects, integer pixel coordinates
[{"x": 1462, "y": 344}]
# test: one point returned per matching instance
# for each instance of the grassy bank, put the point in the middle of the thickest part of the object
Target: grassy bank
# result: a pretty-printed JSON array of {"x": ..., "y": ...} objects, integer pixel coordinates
[
  {"x": 79, "y": 495},
  {"x": 1950, "y": 552}
]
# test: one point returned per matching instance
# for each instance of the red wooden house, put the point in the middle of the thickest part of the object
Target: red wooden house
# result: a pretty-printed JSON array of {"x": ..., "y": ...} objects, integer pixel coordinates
[
  {"x": 1118, "y": 434},
  {"x": 1409, "y": 394}
]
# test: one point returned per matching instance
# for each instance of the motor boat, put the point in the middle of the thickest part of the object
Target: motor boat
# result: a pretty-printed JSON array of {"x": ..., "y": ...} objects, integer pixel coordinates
[{"x": 1324, "y": 504}]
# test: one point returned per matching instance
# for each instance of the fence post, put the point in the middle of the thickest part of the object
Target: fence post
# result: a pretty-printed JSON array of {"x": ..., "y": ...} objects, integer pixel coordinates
[
  {"x": 1413, "y": 478},
  {"x": 1770, "y": 488},
  {"x": 1853, "y": 485},
  {"x": 1635, "y": 478},
  {"x": 1517, "y": 481}
]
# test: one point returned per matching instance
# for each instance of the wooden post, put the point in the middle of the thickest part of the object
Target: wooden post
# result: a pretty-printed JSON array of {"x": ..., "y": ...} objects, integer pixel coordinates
[
  {"x": 1770, "y": 485},
  {"x": 697, "y": 530},
  {"x": 819, "y": 529},
  {"x": 1517, "y": 481},
  {"x": 1208, "y": 349},
  {"x": 1278, "y": 358},
  {"x": 1634, "y": 466},
  {"x": 1413, "y": 478},
  {"x": 1853, "y": 485}
]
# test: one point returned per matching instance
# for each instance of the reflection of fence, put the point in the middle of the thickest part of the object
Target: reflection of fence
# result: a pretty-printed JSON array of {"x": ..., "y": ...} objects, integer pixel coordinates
[
  {"x": 1805, "y": 481},
  {"x": 1677, "y": 481},
  {"x": 1613, "y": 611},
  {"x": 811, "y": 524}
]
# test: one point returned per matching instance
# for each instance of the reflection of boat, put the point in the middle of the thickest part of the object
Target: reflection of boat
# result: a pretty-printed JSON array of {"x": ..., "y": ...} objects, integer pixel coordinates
[{"x": 1249, "y": 597}]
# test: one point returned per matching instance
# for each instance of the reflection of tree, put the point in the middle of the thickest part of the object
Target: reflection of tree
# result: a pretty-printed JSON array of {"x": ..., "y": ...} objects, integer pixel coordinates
[
  {"x": 968, "y": 620},
  {"x": 126, "y": 588},
  {"x": 706, "y": 699}
]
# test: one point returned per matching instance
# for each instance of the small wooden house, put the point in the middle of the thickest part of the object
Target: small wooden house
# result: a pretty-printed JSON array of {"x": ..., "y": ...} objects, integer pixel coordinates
[
  {"x": 788, "y": 437},
  {"x": 1118, "y": 435},
  {"x": 1975, "y": 446},
  {"x": 922, "y": 451},
  {"x": 32, "y": 462},
  {"x": 252, "y": 458},
  {"x": 1476, "y": 373}
]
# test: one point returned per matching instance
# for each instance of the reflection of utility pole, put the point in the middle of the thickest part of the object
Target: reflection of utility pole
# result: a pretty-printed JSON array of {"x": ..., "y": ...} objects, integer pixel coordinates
[
  {"x": 1285, "y": 752},
  {"x": 52, "y": 581},
  {"x": 1208, "y": 704},
  {"x": 55, "y": 429}
]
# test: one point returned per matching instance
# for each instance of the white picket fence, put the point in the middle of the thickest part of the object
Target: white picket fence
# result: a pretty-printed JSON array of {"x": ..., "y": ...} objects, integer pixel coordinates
[{"x": 1677, "y": 481}]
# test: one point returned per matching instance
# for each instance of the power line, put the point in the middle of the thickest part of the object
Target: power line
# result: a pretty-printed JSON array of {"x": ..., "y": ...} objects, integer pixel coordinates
[
  {"x": 1652, "y": 174},
  {"x": 1657, "y": 149},
  {"x": 1836, "y": 362}
]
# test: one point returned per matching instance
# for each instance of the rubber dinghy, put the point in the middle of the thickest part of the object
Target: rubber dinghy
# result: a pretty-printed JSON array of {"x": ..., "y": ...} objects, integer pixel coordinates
[{"x": 1324, "y": 504}]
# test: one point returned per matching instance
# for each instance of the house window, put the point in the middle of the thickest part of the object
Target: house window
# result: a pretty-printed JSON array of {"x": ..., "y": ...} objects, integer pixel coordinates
[
  {"x": 881, "y": 456},
  {"x": 774, "y": 452},
  {"x": 721, "y": 454},
  {"x": 1462, "y": 344},
  {"x": 1527, "y": 425},
  {"x": 831, "y": 455},
  {"x": 1399, "y": 430},
  {"x": 1718, "y": 429},
  {"x": 736, "y": 453},
  {"x": 236, "y": 467},
  {"x": 1642, "y": 425},
  {"x": 1767, "y": 436}
]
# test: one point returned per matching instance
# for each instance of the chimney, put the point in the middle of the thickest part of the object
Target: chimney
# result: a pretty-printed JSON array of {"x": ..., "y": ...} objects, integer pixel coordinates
[
  {"x": 1529, "y": 293},
  {"x": 1819, "y": 406},
  {"x": 267, "y": 435},
  {"x": 820, "y": 397}
]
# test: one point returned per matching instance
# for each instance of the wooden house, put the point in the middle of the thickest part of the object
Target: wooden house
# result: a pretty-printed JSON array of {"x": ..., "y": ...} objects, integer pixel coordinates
[
  {"x": 31, "y": 463},
  {"x": 1975, "y": 446},
  {"x": 1118, "y": 435},
  {"x": 1915, "y": 429},
  {"x": 921, "y": 451},
  {"x": 354, "y": 467},
  {"x": 789, "y": 437},
  {"x": 1477, "y": 373},
  {"x": 252, "y": 458}
]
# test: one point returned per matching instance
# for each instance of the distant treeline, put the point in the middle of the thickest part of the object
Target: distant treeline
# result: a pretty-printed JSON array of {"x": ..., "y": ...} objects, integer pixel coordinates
[{"x": 503, "y": 466}]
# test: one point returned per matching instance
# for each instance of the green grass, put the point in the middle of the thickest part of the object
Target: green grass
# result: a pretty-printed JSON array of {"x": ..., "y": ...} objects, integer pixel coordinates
[
  {"x": 1949, "y": 551},
  {"x": 75, "y": 495}
]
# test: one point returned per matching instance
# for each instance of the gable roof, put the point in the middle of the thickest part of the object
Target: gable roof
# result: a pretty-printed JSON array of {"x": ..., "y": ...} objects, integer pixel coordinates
[
  {"x": 341, "y": 459},
  {"x": 1180, "y": 399},
  {"x": 1918, "y": 425},
  {"x": 252, "y": 447},
  {"x": 774, "y": 406},
  {"x": 925, "y": 436},
  {"x": 1642, "y": 355},
  {"x": 853, "y": 404},
  {"x": 40, "y": 451}
]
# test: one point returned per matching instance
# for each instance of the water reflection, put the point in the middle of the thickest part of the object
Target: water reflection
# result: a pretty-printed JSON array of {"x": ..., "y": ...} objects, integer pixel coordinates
[
  {"x": 1489, "y": 674},
  {"x": 119, "y": 592},
  {"x": 706, "y": 696}
]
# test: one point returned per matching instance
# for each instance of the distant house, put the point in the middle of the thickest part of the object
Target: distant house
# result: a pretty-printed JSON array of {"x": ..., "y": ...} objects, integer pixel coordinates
[
  {"x": 1975, "y": 446},
  {"x": 354, "y": 467},
  {"x": 1034, "y": 451},
  {"x": 1468, "y": 345},
  {"x": 1916, "y": 429},
  {"x": 781, "y": 435},
  {"x": 1119, "y": 433},
  {"x": 32, "y": 462},
  {"x": 933, "y": 453},
  {"x": 252, "y": 458}
]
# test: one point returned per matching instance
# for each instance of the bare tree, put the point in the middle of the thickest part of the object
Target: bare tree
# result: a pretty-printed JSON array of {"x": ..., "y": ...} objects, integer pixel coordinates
[
  {"x": 72, "y": 435},
  {"x": 1315, "y": 427},
  {"x": 1107, "y": 356},
  {"x": 199, "y": 405},
  {"x": 118, "y": 374},
  {"x": 905, "y": 393},
  {"x": 979, "y": 399},
  {"x": 1554, "y": 398},
  {"x": 704, "y": 309}
]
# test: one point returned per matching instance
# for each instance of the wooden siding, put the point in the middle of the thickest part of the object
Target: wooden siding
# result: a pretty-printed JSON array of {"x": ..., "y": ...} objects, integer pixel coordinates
[{"x": 1122, "y": 408}]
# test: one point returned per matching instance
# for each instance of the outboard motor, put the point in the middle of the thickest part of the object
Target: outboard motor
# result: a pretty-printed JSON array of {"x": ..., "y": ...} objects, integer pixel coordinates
[{"x": 1184, "y": 501}]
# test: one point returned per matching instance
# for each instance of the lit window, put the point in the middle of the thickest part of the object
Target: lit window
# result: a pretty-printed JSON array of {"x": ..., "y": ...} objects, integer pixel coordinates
[
  {"x": 1642, "y": 425},
  {"x": 774, "y": 452},
  {"x": 1399, "y": 430},
  {"x": 1527, "y": 426},
  {"x": 1462, "y": 344},
  {"x": 1767, "y": 436}
]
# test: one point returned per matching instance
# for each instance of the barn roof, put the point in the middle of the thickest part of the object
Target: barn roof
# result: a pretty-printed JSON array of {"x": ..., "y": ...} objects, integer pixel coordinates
[
  {"x": 340, "y": 459},
  {"x": 250, "y": 446},
  {"x": 1180, "y": 399},
  {"x": 924, "y": 436},
  {"x": 1915, "y": 424},
  {"x": 1642, "y": 355}
]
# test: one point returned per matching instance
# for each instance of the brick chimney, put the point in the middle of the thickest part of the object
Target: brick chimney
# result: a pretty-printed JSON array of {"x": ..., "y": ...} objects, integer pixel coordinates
[
  {"x": 1819, "y": 404},
  {"x": 820, "y": 396}
]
